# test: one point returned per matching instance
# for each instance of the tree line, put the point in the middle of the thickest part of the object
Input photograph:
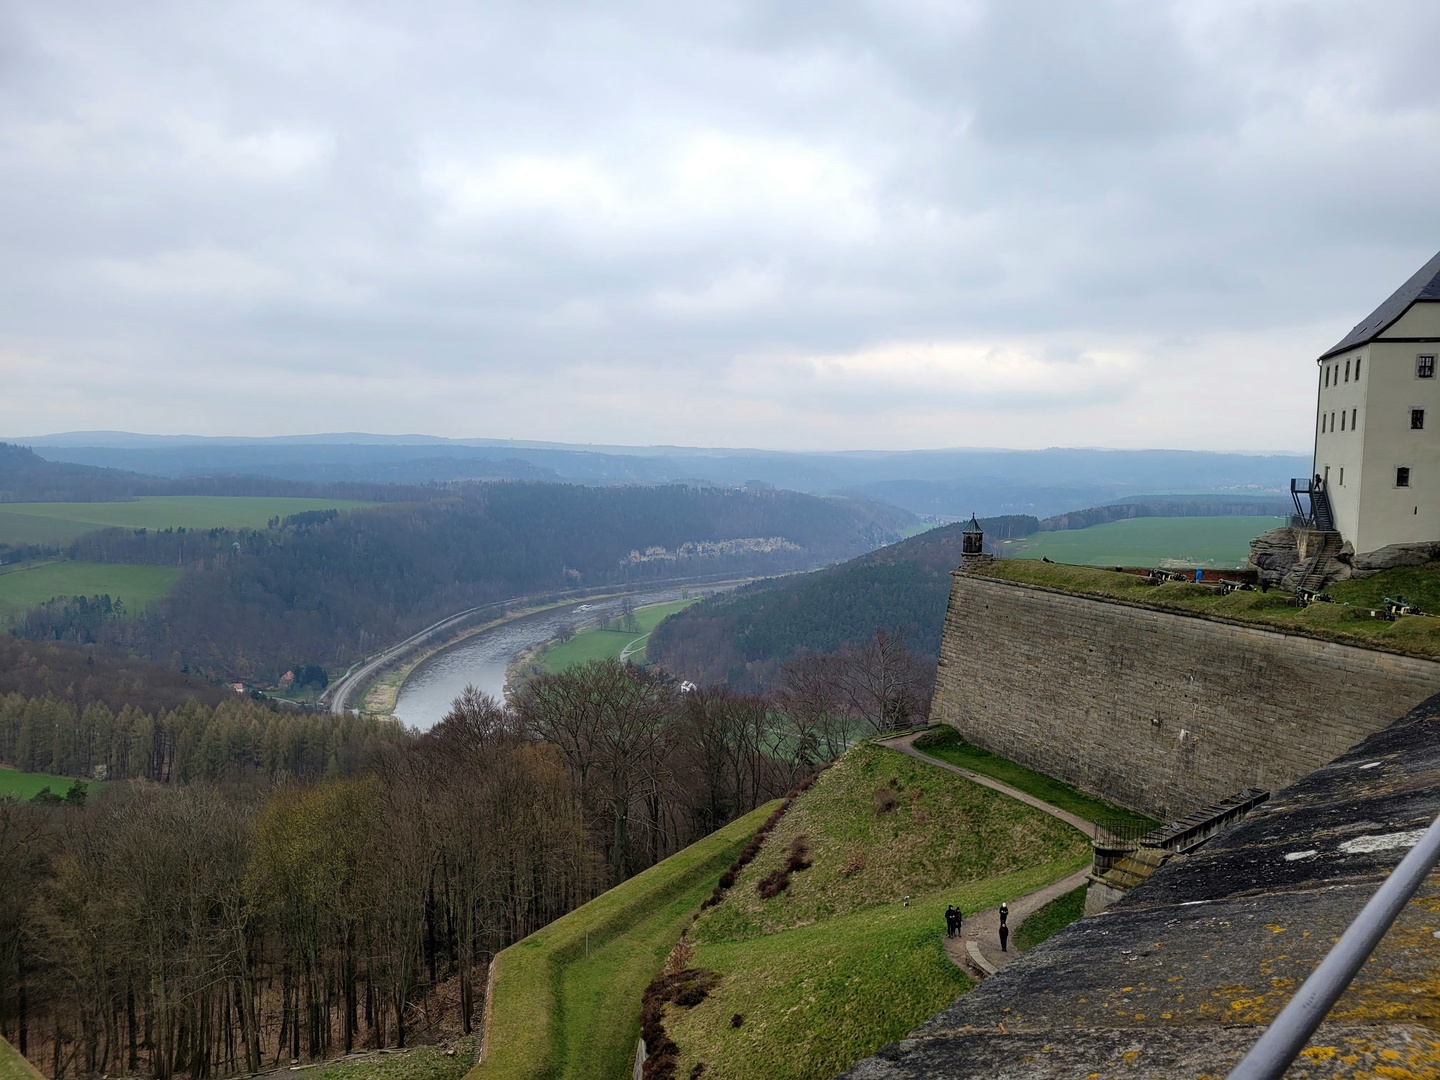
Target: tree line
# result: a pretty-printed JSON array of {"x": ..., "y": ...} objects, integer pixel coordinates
[
  {"x": 281, "y": 891},
  {"x": 250, "y": 602}
]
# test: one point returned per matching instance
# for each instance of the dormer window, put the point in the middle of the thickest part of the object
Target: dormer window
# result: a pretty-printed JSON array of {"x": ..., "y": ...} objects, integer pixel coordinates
[{"x": 1425, "y": 367}]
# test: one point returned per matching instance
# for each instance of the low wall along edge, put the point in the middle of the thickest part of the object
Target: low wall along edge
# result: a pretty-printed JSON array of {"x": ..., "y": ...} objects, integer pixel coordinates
[{"x": 1157, "y": 711}]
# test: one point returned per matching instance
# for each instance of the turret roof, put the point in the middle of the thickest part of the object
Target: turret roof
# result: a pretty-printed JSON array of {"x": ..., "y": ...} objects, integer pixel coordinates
[{"x": 1424, "y": 284}]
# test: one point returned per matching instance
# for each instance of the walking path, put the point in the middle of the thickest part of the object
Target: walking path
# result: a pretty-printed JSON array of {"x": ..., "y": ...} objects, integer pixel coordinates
[{"x": 978, "y": 947}]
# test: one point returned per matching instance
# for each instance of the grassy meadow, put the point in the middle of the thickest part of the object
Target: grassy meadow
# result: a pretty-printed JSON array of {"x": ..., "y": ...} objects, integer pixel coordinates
[
  {"x": 563, "y": 1008},
  {"x": 595, "y": 643},
  {"x": 42, "y": 523},
  {"x": 851, "y": 956},
  {"x": 1347, "y": 619},
  {"x": 947, "y": 744},
  {"x": 27, "y": 584},
  {"x": 25, "y": 786},
  {"x": 1153, "y": 541}
]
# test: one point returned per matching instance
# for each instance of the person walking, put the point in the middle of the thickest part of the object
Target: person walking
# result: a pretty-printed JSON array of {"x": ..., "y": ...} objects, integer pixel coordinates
[
  {"x": 950, "y": 921},
  {"x": 959, "y": 922},
  {"x": 1004, "y": 927}
]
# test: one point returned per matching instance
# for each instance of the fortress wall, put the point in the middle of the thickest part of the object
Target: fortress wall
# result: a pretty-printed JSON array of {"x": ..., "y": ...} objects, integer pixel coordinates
[{"x": 1074, "y": 686}]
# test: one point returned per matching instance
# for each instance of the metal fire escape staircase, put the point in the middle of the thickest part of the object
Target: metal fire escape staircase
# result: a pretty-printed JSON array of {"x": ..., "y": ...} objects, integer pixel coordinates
[{"x": 1319, "y": 517}]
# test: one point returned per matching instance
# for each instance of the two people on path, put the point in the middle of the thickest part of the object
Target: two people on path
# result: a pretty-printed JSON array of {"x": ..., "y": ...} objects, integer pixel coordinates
[
  {"x": 952, "y": 921},
  {"x": 1004, "y": 927}
]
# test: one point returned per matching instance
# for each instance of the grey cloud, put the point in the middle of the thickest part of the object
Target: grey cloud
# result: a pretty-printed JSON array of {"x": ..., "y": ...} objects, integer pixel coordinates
[{"x": 470, "y": 198}]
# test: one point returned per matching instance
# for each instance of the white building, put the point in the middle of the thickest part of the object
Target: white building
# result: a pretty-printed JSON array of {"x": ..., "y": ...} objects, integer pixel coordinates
[{"x": 1377, "y": 422}]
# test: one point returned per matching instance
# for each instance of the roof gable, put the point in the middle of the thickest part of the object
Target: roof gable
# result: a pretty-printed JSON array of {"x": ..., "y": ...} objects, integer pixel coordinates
[{"x": 1424, "y": 284}]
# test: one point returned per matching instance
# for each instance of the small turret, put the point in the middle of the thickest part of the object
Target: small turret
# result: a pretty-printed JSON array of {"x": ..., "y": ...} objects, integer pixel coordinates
[
  {"x": 972, "y": 539},
  {"x": 972, "y": 546}
]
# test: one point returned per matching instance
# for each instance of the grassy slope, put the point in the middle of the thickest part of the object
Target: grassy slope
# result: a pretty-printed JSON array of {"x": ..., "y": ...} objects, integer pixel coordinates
[
  {"x": 1193, "y": 541},
  {"x": 839, "y": 965},
  {"x": 57, "y": 522},
  {"x": 593, "y": 643},
  {"x": 24, "y": 586},
  {"x": 25, "y": 786},
  {"x": 13, "y": 1066},
  {"x": 1052, "y": 918},
  {"x": 1416, "y": 634},
  {"x": 557, "y": 1014},
  {"x": 946, "y": 743}
]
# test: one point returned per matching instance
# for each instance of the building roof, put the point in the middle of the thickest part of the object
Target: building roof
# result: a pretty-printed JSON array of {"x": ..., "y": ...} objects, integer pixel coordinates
[{"x": 1424, "y": 284}]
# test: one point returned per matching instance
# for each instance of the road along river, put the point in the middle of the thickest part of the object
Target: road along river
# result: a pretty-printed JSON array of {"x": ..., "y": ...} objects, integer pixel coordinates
[{"x": 481, "y": 659}]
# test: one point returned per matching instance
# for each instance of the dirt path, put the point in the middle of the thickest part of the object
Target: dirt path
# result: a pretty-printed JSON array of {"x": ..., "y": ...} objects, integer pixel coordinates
[{"x": 977, "y": 950}]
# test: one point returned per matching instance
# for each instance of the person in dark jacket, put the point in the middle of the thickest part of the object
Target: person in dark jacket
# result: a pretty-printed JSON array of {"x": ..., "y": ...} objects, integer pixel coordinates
[
  {"x": 950, "y": 921},
  {"x": 1004, "y": 927}
]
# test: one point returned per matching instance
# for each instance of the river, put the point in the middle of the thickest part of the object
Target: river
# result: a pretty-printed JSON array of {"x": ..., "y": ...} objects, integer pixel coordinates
[{"x": 481, "y": 659}]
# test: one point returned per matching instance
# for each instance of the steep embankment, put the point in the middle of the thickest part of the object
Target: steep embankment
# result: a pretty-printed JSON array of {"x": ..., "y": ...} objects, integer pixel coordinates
[
  {"x": 849, "y": 956},
  {"x": 565, "y": 1001}
]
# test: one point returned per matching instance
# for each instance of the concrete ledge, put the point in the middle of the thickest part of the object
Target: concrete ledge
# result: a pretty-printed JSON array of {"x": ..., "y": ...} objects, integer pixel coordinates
[{"x": 977, "y": 958}]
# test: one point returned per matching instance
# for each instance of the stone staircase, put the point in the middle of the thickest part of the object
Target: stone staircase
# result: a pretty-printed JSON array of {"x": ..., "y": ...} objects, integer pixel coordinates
[
  {"x": 1124, "y": 861},
  {"x": 1315, "y": 575}
]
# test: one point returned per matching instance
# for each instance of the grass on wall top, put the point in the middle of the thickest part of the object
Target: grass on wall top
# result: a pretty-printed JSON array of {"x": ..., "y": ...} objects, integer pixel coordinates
[{"x": 1348, "y": 619}]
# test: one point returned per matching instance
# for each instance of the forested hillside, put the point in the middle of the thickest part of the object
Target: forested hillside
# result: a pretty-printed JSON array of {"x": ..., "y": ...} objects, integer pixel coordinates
[
  {"x": 325, "y": 589},
  {"x": 743, "y": 639}
]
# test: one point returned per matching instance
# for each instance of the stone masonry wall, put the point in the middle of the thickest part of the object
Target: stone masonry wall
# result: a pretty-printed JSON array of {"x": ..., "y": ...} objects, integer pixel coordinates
[{"x": 1156, "y": 711}]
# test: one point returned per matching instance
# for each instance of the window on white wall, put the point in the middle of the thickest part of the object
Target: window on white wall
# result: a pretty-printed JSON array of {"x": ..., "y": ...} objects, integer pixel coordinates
[
  {"x": 1347, "y": 370},
  {"x": 1417, "y": 419},
  {"x": 1352, "y": 419},
  {"x": 1402, "y": 476},
  {"x": 1357, "y": 368},
  {"x": 1425, "y": 367}
]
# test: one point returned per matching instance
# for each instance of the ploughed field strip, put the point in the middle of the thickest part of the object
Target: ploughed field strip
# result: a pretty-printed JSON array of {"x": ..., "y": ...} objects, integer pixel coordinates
[
  {"x": 848, "y": 953},
  {"x": 1183, "y": 974}
]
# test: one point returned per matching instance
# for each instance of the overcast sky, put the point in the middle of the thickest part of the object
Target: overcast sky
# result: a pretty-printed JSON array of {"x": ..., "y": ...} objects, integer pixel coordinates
[{"x": 885, "y": 225}]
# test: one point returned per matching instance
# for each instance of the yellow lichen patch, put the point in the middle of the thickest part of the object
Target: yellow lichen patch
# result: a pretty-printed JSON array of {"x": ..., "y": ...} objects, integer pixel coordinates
[
  {"x": 1130, "y": 1055},
  {"x": 1318, "y": 1053},
  {"x": 1274, "y": 929}
]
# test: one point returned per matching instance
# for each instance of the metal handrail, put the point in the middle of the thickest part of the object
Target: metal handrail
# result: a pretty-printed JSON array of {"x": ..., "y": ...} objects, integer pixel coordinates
[{"x": 1291, "y": 1030}]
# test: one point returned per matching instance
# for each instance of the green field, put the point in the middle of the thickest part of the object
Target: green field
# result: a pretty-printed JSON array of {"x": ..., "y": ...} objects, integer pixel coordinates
[
  {"x": 594, "y": 643},
  {"x": 851, "y": 955},
  {"x": 40, "y": 523},
  {"x": 26, "y": 585},
  {"x": 567, "y": 998},
  {"x": 25, "y": 786},
  {"x": 945, "y": 743},
  {"x": 1152, "y": 541}
]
